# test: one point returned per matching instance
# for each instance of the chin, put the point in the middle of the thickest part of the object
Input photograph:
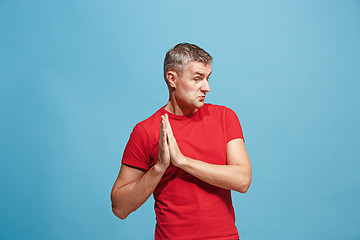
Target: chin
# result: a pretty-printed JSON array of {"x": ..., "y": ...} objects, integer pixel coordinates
[
  {"x": 200, "y": 104},
  {"x": 196, "y": 105}
]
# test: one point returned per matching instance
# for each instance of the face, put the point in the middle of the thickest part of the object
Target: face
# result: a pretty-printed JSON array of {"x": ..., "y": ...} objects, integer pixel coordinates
[{"x": 191, "y": 87}]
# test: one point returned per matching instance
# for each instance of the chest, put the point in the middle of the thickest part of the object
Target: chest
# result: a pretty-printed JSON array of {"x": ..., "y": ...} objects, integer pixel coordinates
[{"x": 200, "y": 140}]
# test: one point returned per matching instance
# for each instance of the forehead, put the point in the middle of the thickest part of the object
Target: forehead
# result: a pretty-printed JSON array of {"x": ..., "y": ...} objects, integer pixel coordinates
[{"x": 198, "y": 67}]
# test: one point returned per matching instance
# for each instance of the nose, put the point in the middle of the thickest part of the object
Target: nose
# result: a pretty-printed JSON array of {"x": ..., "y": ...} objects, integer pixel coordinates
[{"x": 205, "y": 87}]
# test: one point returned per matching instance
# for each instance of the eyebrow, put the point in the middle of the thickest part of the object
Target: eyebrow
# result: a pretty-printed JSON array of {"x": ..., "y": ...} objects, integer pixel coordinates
[{"x": 201, "y": 74}]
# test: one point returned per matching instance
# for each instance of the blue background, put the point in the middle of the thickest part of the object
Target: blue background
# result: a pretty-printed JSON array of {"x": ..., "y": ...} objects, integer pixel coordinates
[{"x": 76, "y": 76}]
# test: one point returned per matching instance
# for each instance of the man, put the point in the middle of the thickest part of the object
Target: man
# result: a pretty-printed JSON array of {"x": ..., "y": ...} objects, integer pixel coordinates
[{"x": 188, "y": 154}]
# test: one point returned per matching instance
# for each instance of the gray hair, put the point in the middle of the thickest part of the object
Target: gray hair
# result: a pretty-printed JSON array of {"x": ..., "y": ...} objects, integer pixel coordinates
[{"x": 178, "y": 57}]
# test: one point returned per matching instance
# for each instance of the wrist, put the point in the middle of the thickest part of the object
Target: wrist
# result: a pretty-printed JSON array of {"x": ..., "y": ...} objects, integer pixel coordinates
[
  {"x": 181, "y": 162},
  {"x": 159, "y": 168}
]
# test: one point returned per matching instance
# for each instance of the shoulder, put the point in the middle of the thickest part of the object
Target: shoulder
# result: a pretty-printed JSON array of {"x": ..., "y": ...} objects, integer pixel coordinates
[
  {"x": 217, "y": 109},
  {"x": 220, "y": 112},
  {"x": 151, "y": 120},
  {"x": 150, "y": 125}
]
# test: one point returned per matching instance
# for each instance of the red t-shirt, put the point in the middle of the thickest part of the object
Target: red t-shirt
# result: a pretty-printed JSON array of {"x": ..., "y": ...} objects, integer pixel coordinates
[{"x": 185, "y": 206}]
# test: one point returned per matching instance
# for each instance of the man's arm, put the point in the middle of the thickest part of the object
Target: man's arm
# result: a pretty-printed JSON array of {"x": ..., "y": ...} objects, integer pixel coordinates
[
  {"x": 134, "y": 186},
  {"x": 236, "y": 175}
]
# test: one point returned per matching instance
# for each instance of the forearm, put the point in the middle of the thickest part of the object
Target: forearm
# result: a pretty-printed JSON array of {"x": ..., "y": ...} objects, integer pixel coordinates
[
  {"x": 232, "y": 177},
  {"x": 126, "y": 199}
]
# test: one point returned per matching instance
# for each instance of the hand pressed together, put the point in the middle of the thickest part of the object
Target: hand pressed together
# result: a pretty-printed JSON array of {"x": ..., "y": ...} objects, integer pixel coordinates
[
  {"x": 164, "y": 153},
  {"x": 176, "y": 157},
  {"x": 168, "y": 148}
]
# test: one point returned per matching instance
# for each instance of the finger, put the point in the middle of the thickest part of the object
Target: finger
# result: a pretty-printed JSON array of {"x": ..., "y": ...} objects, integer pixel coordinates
[
  {"x": 164, "y": 118},
  {"x": 162, "y": 130},
  {"x": 163, "y": 127},
  {"x": 168, "y": 127}
]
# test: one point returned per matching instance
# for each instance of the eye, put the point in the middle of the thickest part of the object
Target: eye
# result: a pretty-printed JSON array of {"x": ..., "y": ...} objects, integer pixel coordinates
[{"x": 196, "y": 79}]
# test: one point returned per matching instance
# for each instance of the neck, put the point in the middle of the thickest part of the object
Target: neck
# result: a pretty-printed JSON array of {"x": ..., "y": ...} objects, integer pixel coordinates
[{"x": 175, "y": 108}]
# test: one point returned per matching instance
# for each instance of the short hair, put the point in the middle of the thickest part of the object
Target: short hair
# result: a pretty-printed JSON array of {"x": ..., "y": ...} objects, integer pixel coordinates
[{"x": 179, "y": 56}]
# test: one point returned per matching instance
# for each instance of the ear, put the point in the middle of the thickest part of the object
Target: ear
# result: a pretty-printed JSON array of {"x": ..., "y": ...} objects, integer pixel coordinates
[{"x": 171, "y": 76}]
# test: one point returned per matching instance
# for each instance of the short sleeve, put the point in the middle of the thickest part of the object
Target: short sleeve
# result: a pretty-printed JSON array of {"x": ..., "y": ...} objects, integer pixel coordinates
[
  {"x": 136, "y": 152},
  {"x": 233, "y": 127}
]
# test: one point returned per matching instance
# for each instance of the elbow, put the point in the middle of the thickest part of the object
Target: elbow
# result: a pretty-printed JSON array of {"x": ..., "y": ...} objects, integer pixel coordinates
[
  {"x": 244, "y": 186},
  {"x": 244, "y": 189},
  {"x": 119, "y": 213},
  {"x": 117, "y": 209}
]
